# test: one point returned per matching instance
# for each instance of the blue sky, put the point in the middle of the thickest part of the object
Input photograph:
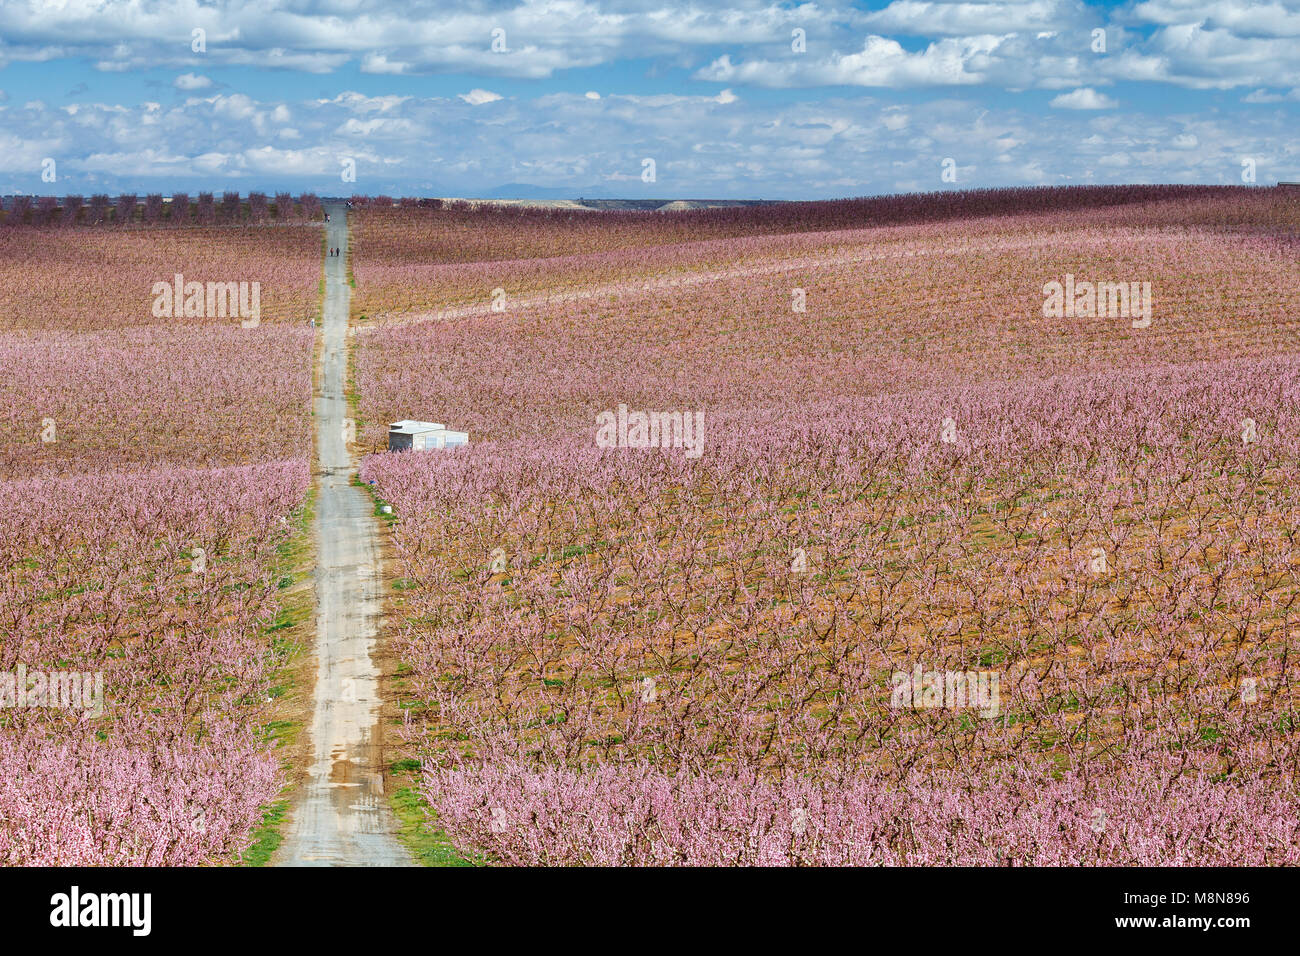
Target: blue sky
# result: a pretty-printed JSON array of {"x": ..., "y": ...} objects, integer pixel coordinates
[{"x": 578, "y": 94}]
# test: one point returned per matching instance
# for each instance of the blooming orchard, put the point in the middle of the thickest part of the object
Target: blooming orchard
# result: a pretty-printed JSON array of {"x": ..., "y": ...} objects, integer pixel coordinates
[
  {"x": 151, "y": 473},
  {"x": 917, "y": 472}
]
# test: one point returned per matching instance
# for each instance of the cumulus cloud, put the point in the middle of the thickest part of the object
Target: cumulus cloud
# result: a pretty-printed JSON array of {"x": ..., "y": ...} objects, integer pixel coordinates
[
  {"x": 926, "y": 18},
  {"x": 360, "y": 103},
  {"x": 478, "y": 97},
  {"x": 881, "y": 62},
  {"x": 380, "y": 63},
  {"x": 191, "y": 81},
  {"x": 1084, "y": 98},
  {"x": 1263, "y": 96},
  {"x": 1246, "y": 17}
]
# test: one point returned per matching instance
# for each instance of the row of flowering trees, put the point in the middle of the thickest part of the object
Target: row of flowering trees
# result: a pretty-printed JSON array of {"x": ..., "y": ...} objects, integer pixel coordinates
[
  {"x": 178, "y": 210},
  {"x": 83, "y": 279}
]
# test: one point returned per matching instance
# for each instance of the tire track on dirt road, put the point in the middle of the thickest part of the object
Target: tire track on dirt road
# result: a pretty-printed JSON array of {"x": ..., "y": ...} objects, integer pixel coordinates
[{"x": 340, "y": 814}]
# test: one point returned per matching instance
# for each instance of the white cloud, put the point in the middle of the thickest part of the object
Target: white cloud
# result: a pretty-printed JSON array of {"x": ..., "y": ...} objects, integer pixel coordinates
[
  {"x": 477, "y": 97},
  {"x": 923, "y": 18},
  {"x": 1263, "y": 96},
  {"x": 191, "y": 81},
  {"x": 376, "y": 126},
  {"x": 1197, "y": 57},
  {"x": 379, "y": 63},
  {"x": 360, "y": 103},
  {"x": 882, "y": 62},
  {"x": 1248, "y": 17},
  {"x": 894, "y": 119},
  {"x": 1084, "y": 98},
  {"x": 236, "y": 106}
]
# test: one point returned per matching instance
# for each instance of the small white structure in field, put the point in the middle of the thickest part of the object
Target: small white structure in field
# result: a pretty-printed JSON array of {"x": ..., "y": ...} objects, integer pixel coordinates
[{"x": 423, "y": 436}]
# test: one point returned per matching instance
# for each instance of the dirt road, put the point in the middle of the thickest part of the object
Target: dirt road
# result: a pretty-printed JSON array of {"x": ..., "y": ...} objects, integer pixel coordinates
[{"x": 340, "y": 815}]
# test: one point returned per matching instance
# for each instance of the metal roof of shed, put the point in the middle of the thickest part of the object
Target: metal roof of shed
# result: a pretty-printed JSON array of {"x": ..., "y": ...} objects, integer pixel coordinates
[{"x": 408, "y": 426}]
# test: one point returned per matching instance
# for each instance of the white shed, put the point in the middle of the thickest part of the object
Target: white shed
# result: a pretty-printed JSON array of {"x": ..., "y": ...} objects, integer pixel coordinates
[{"x": 423, "y": 436}]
